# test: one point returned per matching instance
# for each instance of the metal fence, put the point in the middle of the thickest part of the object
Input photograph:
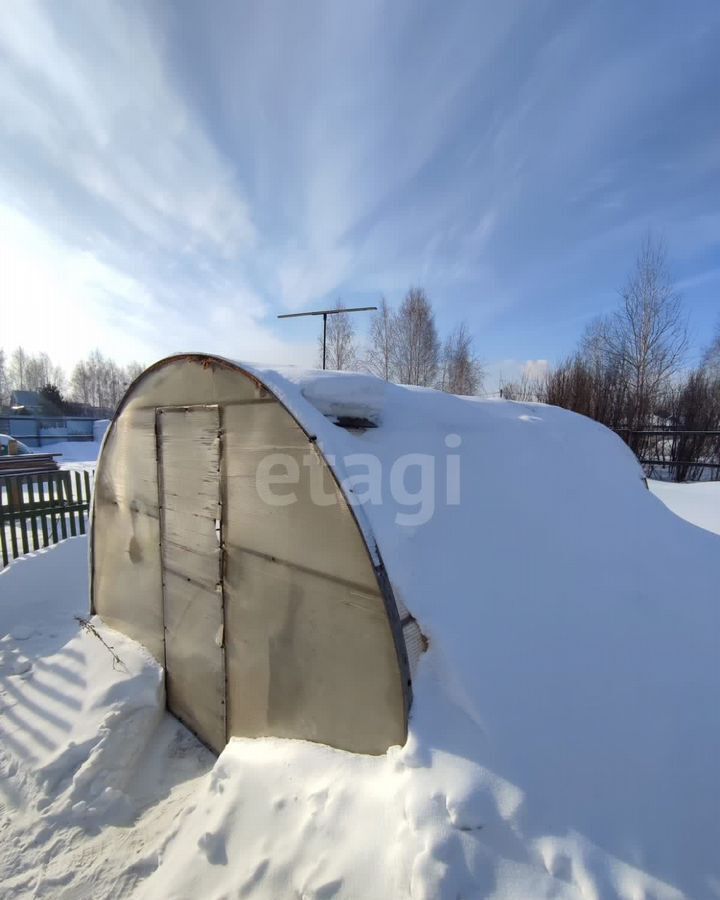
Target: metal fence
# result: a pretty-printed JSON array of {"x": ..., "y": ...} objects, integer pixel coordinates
[
  {"x": 673, "y": 455},
  {"x": 38, "y": 509},
  {"x": 36, "y": 431}
]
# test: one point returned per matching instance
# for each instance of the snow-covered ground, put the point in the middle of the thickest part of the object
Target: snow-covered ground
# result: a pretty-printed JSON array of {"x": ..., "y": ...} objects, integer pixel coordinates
[
  {"x": 93, "y": 772},
  {"x": 565, "y": 731},
  {"x": 74, "y": 452},
  {"x": 698, "y": 503}
]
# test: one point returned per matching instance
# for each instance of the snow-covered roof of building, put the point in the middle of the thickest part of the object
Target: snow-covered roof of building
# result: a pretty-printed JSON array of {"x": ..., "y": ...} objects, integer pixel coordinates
[{"x": 31, "y": 400}]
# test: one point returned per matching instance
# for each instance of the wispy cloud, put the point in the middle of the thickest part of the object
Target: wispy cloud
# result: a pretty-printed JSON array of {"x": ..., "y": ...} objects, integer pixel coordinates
[
  {"x": 134, "y": 225},
  {"x": 188, "y": 173},
  {"x": 90, "y": 93}
]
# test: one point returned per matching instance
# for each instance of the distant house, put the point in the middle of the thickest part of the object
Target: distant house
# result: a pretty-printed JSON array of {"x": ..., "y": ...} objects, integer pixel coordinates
[{"x": 32, "y": 403}]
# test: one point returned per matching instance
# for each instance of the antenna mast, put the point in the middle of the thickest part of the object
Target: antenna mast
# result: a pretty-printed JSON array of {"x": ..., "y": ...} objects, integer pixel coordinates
[{"x": 325, "y": 313}]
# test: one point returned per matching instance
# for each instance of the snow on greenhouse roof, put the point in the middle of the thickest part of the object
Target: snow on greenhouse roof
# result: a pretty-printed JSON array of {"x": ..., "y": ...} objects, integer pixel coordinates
[
  {"x": 344, "y": 395},
  {"x": 572, "y": 619}
]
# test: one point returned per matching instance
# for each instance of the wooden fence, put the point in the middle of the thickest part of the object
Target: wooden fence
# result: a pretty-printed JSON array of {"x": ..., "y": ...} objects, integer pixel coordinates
[{"x": 38, "y": 509}]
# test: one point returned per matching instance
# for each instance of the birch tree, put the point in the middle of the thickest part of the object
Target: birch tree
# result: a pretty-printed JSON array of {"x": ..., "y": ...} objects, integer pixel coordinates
[
  {"x": 17, "y": 371},
  {"x": 646, "y": 338},
  {"x": 416, "y": 353},
  {"x": 460, "y": 368},
  {"x": 4, "y": 381},
  {"x": 341, "y": 348},
  {"x": 380, "y": 354}
]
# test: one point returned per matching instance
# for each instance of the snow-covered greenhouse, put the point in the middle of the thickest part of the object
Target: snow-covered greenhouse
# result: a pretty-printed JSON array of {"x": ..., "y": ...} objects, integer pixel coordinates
[
  {"x": 330, "y": 557},
  {"x": 271, "y": 615}
]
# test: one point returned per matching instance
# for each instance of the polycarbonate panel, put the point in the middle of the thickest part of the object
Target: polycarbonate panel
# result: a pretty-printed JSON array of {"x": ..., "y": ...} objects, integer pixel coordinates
[
  {"x": 308, "y": 657},
  {"x": 126, "y": 583},
  {"x": 310, "y": 653},
  {"x": 188, "y": 454},
  {"x": 311, "y": 525}
]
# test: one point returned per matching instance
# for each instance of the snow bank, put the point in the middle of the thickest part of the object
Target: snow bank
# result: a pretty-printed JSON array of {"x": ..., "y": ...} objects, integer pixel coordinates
[
  {"x": 289, "y": 819},
  {"x": 697, "y": 503},
  {"x": 86, "y": 749},
  {"x": 565, "y": 730},
  {"x": 74, "y": 451}
]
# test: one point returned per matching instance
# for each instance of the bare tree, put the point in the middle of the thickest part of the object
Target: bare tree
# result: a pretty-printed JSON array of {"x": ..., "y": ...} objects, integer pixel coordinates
[
  {"x": 646, "y": 338},
  {"x": 132, "y": 371},
  {"x": 695, "y": 408},
  {"x": 380, "y": 355},
  {"x": 340, "y": 345},
  {"x": 628, "y": 368},
  {"x": 416, "y": 350},
  {"x": 18, "y": 366},
  {"x": 585, "y": 387},
  {"x": 81, "y": 384},
  {"x": 527, "y": 388},
  {"x": 711, "y": 357},
  {"x": 460, "y": 369},
  {"x": 599, "y": 379},
  {"x": 37, "y": 371},
  {"x": 98, "y": 381},
  {"x": 4, "y": 381},
  {"x": 31, "y": 373},
  {"x": 40, "y": 370}
]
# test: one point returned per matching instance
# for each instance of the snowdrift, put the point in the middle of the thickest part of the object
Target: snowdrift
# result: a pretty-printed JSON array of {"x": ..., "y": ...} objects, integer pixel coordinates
[
  {"x": 698, "y": 503},
  {"x": 565, "y": 729},
  {"x": 344, "y": 395}
]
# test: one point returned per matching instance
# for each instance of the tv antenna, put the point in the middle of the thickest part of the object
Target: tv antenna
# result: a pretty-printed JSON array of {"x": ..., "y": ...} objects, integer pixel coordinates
[{"x": 325, "y": 313}]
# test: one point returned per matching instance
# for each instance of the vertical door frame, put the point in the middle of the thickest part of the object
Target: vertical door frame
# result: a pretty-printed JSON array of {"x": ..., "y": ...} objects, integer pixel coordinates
[
  {"x": 222, "y": 494},
  {"x": 220, "y": 520}
]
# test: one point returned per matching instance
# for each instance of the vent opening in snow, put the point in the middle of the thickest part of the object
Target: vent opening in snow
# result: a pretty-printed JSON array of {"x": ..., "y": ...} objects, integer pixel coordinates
[{"x": 355, "y": 423}]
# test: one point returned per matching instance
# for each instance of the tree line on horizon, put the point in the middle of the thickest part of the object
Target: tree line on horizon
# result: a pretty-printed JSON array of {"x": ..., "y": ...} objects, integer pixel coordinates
[
  {"x": 96, "y": 381},
  {"x": 630, "y": 369},
  {"x": 404, "y": 346}
]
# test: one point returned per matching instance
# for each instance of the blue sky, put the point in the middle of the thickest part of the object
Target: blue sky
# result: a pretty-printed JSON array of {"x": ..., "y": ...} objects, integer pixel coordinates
[{"x": 174, "y": 175}]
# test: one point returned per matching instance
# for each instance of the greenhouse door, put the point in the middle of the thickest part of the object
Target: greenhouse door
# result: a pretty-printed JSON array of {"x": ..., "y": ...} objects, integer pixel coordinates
[{"x": 188, "y": 460}]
